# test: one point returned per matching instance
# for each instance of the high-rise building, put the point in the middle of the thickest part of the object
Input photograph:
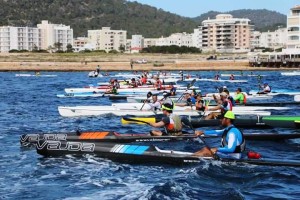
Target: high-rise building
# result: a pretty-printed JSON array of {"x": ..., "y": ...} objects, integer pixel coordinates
[
  {"x": 55, "y": 35},
  {"x": 293, "y": 26},
  {"x": 19, "y": 38},
  {"x": 137, "y": 43},
  {"x": 225, "y": 33},
  {"x": 107, "y": 39}
]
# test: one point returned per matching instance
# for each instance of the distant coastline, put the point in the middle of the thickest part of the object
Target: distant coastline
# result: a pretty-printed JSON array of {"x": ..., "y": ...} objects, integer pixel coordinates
[{"x": 121, "y": 62}]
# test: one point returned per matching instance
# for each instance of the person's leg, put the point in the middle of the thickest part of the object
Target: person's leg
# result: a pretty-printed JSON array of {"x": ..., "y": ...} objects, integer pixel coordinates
[
  {"x": 204, "y": 152},
  {"x": 156, "y": 133}
]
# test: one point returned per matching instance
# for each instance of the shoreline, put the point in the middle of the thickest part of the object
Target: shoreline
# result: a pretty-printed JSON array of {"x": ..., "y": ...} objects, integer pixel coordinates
[
  {"x": 69, "y": 62},
  {"x": 125, "y": 66}
]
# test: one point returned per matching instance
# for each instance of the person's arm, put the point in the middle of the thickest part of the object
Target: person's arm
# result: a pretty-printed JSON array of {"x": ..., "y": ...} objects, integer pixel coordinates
[
  {"x": 218, "y": 107},
  {"x": 232, "y": 142},
  {"x": 237, "y": 97},
  {"x": 157, "y": 124}
]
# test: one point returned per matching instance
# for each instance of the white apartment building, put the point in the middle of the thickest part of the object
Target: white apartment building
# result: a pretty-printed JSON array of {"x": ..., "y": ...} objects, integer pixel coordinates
[
  {"x": 137, "y": 43},
  {"x": 197, "y": 38},
  {"x": 19, "y": 38},
  {"x": 178, "y": 39},
  {"x": 226, "y": 33},
  {"x": 81, "y": 44},
  {"x": 293, "y": 27},
  {"x": 148, "y": 42},
  {"x": 55, "y": 33},
  {"x": 276, "y": 39},
  {"x": 107, "y": 39},
  {"x": 255, "y": 38}
]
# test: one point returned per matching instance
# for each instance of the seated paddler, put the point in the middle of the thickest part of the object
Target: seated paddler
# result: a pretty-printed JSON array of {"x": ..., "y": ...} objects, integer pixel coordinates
[
  {"x": 232, "y": 144},
  {"x": 172, "y": 123}
]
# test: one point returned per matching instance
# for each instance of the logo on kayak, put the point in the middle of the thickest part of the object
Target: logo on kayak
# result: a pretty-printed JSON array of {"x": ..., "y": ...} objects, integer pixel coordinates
[
  {"x": 66, "y": 146},
  {"x": 129, "y": 149},
  {"x": 32, "y": 138}
]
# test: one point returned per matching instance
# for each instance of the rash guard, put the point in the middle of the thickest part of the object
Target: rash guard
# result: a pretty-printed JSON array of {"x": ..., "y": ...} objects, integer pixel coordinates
[{"x": 233, "y": 139}]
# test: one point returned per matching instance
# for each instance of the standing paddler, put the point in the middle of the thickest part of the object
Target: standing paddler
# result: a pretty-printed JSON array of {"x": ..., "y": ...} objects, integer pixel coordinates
[{"x": 233, "y": 143}]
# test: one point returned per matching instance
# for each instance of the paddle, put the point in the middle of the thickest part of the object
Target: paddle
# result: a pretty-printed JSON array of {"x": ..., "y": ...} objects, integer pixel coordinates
[
  {"x": 187, "y": 88},
  {"x": 259, "y": 77},
  {"x": 149, "y": 94}
]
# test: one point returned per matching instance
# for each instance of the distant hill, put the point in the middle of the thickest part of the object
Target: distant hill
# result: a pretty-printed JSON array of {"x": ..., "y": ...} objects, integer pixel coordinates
[
  {"x": 82, "y": 15},
  {"x": 263, "y": 19},
  {"x": 134, "y": 17}
]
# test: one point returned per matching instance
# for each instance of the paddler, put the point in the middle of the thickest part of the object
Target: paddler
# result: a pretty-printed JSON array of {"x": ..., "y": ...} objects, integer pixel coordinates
[
  {"x": 233, "y": 143},
  {"x": 266, "y": 89},
  {"x": 167, "y": 99},
  {"x": 189, "y": 99},
  {"x": 224, "y": 105},
  {"x": 172, "y": 123},
  {"x": 155, "y": 104},
  {"x": 158, "y": 84},
  {"x": 231, "y": 77},
  {"x": 200, "y": 103},
  {"x": 240, "y": 97}
]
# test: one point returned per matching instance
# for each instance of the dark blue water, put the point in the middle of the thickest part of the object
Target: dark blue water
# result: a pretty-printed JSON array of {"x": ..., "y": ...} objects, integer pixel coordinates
[{"x": 29, "y": 105}]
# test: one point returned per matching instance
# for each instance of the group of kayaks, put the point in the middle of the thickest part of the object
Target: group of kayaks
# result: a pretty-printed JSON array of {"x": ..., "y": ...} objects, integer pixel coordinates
[{"x": 134, "y": 148}]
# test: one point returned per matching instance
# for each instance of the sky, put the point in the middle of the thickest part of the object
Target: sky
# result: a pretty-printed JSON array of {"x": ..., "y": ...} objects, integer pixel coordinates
[{"x": 194, "y": 8}]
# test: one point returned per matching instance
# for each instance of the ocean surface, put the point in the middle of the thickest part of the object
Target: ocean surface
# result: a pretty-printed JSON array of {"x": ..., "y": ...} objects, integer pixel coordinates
[{"x": 29, "y": 105}]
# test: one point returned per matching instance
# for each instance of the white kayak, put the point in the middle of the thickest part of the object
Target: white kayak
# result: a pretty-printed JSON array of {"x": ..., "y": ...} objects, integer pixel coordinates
[
  {"x": 214, "y": 80},
  {"x": 228, "y": 75},
  {"x": 276, "y": 92},
  {"x": 35, "y": 75},
  {"x": 252, "y": 97},
  {"x": 122, "y": 109},
  {"x": 294, "y": 73},
  {"x": 100, "y": 90}
]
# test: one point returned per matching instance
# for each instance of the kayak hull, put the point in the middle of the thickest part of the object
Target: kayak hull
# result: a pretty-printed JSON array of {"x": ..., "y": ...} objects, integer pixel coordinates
[{"x": 140, "y": 154}]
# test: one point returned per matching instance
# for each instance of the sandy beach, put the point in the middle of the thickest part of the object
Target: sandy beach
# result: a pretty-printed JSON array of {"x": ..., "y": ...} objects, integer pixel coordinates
[{"x": 121, "y": 62}]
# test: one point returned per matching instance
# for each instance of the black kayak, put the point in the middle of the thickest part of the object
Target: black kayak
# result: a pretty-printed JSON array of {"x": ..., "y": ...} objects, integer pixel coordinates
[
  {"x": 110, "y": 136},
  {"x": 252, "y": 121},
  {"x": 140, "y": 153}
]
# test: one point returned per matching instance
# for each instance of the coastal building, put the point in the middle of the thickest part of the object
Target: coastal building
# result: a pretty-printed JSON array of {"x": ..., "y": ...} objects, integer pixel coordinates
[
  {"x": 55, "y": 36},
  {"x": 178, "y": 39},
  {"x": 293, "y": 26},
  {"x": 149, "y": 42},
  {"x": 107, "y": 39},
  {"x": 137, "y": 43},
  {"x": 81, "y": 44},
  {"x": 19, "y": 38},
  {"x": 276, "y": 39},
  {"x": 255, "y": 38},
  {"x": 226, "y": 33},
  {"x": 197, "y": 38}
]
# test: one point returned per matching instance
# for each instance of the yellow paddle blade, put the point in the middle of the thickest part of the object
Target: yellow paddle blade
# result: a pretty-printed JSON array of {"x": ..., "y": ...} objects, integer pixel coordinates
[
  {"x": 138, "y": 120},
  {"x": 297, "y": 121}
]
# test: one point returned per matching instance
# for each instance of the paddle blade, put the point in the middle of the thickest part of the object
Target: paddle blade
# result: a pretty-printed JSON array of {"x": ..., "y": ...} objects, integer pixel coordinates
[{"x": 138, "y": 120}]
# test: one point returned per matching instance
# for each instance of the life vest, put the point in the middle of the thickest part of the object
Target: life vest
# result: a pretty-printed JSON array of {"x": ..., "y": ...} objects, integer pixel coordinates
[
  {"x": 245, "y": 98},
  {"x": 239, "y": 148},
  {"x": 175, "y": 125}
]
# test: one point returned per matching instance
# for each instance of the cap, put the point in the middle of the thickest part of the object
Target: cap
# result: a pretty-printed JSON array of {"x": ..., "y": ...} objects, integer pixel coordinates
[
  {"x": 167, "y": 106},
  {"x": 265, "y": 83},
  {"x": 224, "y": 94},
  {"x": 224, "y": 86},
  {"x": 229, "y": 115}
]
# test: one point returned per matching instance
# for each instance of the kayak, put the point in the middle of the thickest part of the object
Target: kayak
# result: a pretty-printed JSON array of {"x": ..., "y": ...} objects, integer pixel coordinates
[
  {"x": 30, "y": 75},
  {"x": 85, "y": 94},
  {"x": 277, "y": 92},
  {"x": 214, "y": 80},
  {"x": 249, "y": 97},
  {"x": 241, "y": 121},
  {"x": 104, "y": 110},
  {"x": 99, "y": 90},
  {"x": 135, "y": 110},
  {"x": 248, "y": 121},
  {"x": 110, "y": 136},
  {"x": 227, "y": 75},
  {"x": 141, "y": 154},
  {"x": 294, "y": 73}
]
